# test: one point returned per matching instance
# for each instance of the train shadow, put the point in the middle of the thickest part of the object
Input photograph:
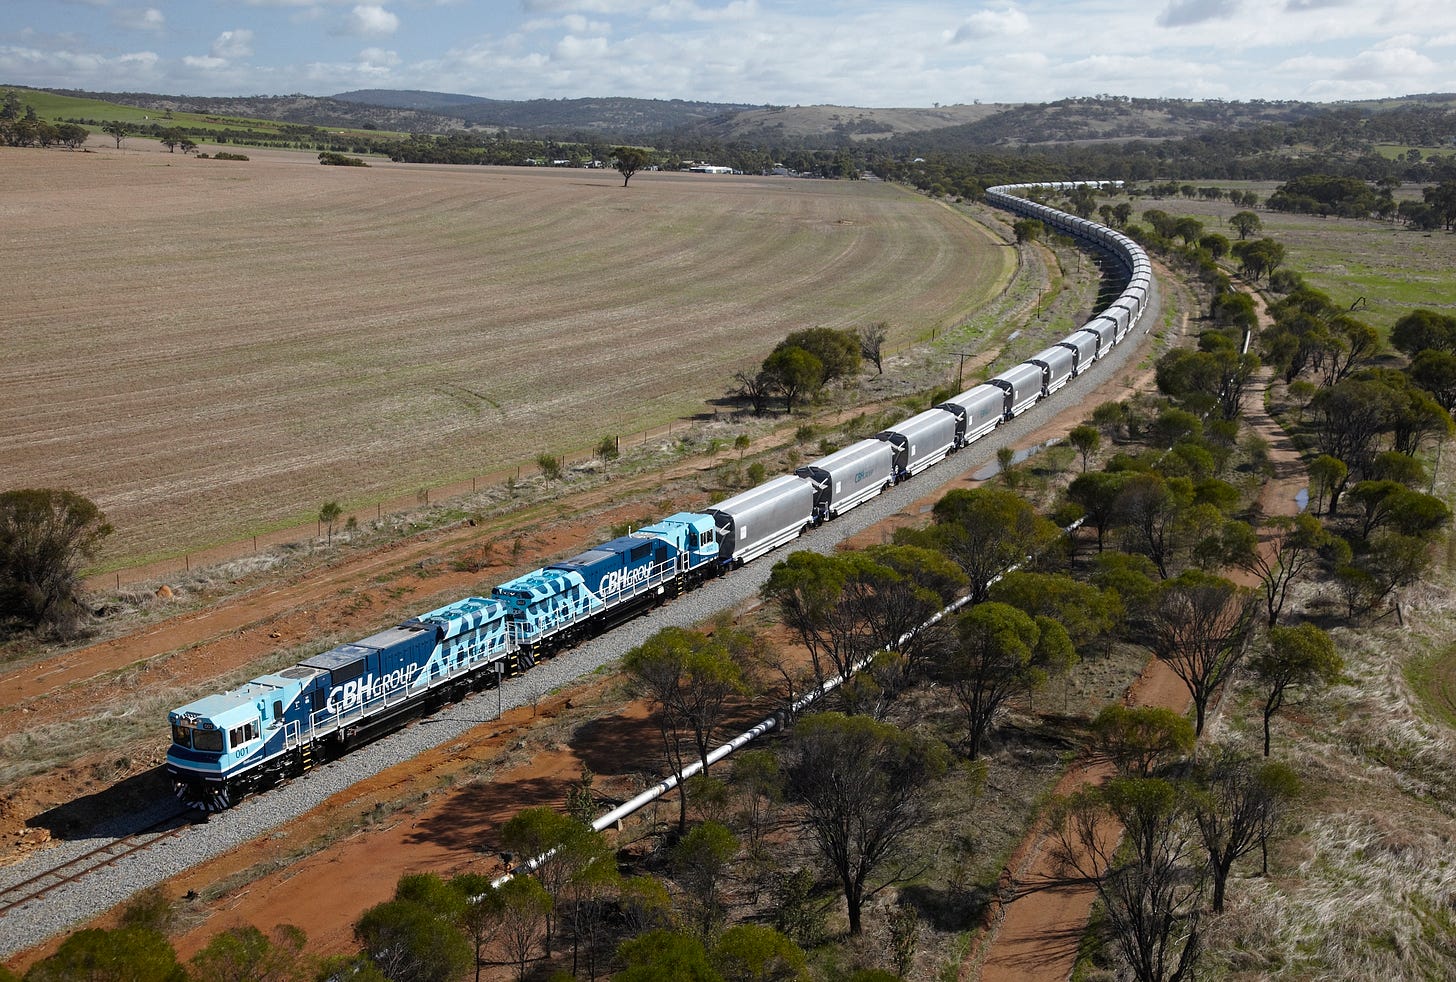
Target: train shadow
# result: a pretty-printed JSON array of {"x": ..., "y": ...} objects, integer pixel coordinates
[
  {"x": 135, "y": 804},
  {"x": 614, "y": 746},
  {"x": 470, "y": 819}
]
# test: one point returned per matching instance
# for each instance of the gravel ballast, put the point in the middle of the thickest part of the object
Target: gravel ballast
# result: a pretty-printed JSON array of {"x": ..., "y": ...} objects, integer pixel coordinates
[{"x": 92, "y": 894}]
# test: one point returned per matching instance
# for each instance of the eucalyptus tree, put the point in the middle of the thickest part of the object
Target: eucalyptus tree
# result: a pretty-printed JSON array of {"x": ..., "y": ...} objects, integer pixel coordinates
[{"x": 864, "y": 786}]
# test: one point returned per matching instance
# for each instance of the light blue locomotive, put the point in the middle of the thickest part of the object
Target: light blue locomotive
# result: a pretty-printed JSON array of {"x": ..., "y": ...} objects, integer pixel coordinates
[{"x": 279, "y": 725}]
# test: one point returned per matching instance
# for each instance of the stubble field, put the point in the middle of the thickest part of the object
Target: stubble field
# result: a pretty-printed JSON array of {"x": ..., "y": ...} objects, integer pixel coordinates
[{"x": 211, "y": 349}]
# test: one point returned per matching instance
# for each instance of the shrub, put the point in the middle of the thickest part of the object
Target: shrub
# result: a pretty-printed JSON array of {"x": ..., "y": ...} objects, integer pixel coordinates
[{"x": 331, "y": 159}]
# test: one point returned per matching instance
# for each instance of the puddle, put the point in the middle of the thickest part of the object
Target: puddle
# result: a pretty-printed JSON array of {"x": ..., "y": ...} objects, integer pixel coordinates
[{"x": 993, "y": 468}]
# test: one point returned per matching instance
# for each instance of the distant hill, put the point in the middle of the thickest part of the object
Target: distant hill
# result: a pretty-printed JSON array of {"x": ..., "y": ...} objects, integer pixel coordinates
[
  {"x": 1425, "y": 120},
  {"x": 413, "y": 99},
  {"x": 843, "y": 123},
  {"x": 1086, "y": 120},
  {"x": 305, "y": 110},
  {"x": 604, "y": 116},
  {"x": 1093, "y": 120}
]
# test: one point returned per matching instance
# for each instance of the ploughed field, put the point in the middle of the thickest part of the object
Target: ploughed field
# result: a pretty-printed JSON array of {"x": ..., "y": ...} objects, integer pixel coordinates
[{"x": 211, "y": 349}]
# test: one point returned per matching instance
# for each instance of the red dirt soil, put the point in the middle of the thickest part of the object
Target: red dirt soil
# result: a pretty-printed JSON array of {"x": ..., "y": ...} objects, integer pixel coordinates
[
  {"x": 325, "y": 892},
  {"x": 453, "y": 831},
  {"x": 1040, "y": 918}
]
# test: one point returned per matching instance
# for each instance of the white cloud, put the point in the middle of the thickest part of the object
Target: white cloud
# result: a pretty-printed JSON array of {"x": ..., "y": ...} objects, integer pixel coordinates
[
  {"x": 1399, "y": 41},
  {"x": 236, "y": 43},
  {"x": 577, "y": 24},
  {"x": 1387, "y": 63},
  {"x": 909, "y": 53},
  {"x": 371, "y": 20},
  {"x": 148, "y": 19},
  {"x": 573, "y": 23},
  {"x": 379, "y": 58},
  {"x": 1005, "y": 22},
  {"x": 70, "y": 68},
  {"x": 690, "y": 10},
  {"x": 572, "y": 48},
  {"x": 584, "y": 6},
  {"x": 1181, "y": 13}
]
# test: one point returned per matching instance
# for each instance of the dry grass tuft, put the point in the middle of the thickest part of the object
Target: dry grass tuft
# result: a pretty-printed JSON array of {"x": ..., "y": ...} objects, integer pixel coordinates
[{"x": 1366, "y": 887}]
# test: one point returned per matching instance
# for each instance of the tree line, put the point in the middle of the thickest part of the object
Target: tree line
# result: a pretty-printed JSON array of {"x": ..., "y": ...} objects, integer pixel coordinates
[{"x": 21, "y": 127}]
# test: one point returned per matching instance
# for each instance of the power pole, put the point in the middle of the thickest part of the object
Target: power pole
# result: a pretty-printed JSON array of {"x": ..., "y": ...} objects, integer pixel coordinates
[{"x": 960, "y": 370}]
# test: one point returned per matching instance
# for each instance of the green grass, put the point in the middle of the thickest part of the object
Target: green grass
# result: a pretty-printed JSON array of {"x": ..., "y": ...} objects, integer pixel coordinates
[
  {"x": 1382, "y": 269},
  {"x": 1395, "y": 151},
  {"x": 59, "y": 108},
  {"x": 1433, "y": 678}
]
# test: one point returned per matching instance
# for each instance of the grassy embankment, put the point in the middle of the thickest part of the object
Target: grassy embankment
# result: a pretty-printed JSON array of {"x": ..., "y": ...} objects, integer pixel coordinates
[
  {"x": 61, "y": 108},
  {"x": 1361, "y": 885}
]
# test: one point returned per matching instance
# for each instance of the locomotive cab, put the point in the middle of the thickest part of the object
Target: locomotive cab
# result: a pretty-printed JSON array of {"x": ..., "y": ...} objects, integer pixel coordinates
[
  {"x": 223, "y": 744},
  {"x": 695, "y": 538}
]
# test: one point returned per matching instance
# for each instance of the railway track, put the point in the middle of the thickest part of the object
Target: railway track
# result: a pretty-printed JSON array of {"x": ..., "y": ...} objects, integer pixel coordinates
[
  {"x": 266, "y": 812},
  {"x": 77, "y": 867}
]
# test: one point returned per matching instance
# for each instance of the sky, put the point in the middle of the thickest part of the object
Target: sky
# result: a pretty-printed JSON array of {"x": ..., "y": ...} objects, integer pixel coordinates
[{"x": 911, "y": 53}]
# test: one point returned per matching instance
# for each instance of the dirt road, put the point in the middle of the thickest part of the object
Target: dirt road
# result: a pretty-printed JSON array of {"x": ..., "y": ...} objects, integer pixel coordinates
[{"x": 1041, "y": 916}]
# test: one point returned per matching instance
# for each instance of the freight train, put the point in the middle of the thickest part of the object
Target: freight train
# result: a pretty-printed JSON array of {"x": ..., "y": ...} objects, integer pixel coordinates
[{"x": 279, "y": 725}]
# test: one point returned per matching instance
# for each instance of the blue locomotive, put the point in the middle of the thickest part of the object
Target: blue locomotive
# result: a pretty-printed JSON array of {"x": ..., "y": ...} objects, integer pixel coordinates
[{"x": 279, "y": 725}]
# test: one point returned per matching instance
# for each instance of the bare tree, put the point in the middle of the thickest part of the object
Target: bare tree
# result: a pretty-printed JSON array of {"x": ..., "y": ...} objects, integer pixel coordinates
[
  {"x": 524, "y": 906},
  {"x": 864, "y": 786},
  {"x": 1151, "y": 882},
  {"x": 1291, "y": 552},
  {"x": 872, "y": 343},
  {"x": 758, "y": 389},
  {"x": 1201, "y": 625},
  {"x": 1238, "y": 807}
]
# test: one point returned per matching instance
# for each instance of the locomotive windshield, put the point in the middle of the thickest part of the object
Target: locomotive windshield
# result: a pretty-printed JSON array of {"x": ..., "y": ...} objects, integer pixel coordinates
[
  {"x": 206, "y": 740},
  {"x": 209, "y": 740}
]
